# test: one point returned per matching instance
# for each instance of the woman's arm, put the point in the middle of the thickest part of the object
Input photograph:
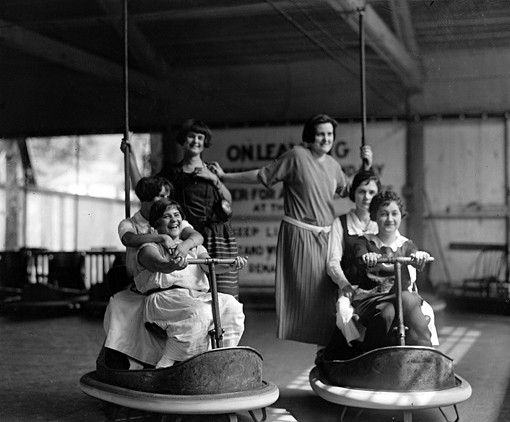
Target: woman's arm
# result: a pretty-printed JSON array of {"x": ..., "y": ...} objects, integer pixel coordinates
[
  {"x": 150, "y": 258},
  {"x": 249, "y": 176},
  {"x": 134, "y": 172},
  {"x": 209, "y": 173},
  {"x": 420, "y": 258},
  {"x": 191, "y": 239},
  {"x": 365, "y": 253},
  {"x": 366, "y": 156},
  {"x": 222, "y": 190},
  {"x": 240, "y": 262},
  {"x": 335, "y": 254},
  {"x": 135, "y": 240}
]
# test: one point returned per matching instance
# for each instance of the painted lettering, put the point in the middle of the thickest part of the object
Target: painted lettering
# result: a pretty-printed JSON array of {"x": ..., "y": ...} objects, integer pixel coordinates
[{"x": 256, "y": 152}]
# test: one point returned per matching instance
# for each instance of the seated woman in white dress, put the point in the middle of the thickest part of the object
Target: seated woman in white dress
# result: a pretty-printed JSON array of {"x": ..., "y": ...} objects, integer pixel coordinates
[{"x": 178, "y": 298}]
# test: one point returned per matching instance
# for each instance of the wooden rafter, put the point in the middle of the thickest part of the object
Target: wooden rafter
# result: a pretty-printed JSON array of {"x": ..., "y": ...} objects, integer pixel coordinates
[
  {"x": 383, "y": 41},
  {"x": 141, "y": 49},
  {"x": 402, "y": 20},
  {"x": 71, "y": 57}
]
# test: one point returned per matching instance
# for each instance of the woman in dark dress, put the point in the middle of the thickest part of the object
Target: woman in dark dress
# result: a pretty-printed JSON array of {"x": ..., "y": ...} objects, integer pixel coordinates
[
  {"x": 201, "y": 193},
  {"x": 204, "y": 198}
]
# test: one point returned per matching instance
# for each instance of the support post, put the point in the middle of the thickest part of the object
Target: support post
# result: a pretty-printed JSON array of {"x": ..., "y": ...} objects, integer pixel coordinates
[
  {"x": 12, "y": 197},
  {"x": 361, "y": 13},
  {"x": 127, "y": 154},
  {"x": 506, "y": 147},
  {"x": 415, "y": 186}
]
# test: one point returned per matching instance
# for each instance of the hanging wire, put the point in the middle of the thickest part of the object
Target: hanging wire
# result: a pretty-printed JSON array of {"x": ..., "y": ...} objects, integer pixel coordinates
[{"x": 127, "y": 150}]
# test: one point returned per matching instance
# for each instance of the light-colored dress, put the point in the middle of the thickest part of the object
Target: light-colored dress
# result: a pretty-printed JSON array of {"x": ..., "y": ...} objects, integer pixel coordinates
[
  {"x": 198, "y": 197},
  {"x": 305, "y": 295},
  {"x": 180, "y": 303},
  {"x": 123, "y": 322}
]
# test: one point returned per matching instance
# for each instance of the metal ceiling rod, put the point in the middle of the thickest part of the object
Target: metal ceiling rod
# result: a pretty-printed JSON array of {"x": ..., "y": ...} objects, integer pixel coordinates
[
  {"x": 125, "y": 140},
  {"x": 361, "y": 12}
]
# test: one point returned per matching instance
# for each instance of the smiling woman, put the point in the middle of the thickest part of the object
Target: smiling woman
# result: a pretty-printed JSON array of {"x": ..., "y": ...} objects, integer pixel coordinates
[
  {"x": 178, "y": 298},
  {"x": 203, "y": 197},
  {"x": 311, "y": 178}
]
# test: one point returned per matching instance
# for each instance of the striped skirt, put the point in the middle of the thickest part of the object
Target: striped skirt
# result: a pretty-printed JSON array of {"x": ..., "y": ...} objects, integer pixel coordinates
[
  {"x": 220, "y": 242},
  {"x": 305, "y": 294}
]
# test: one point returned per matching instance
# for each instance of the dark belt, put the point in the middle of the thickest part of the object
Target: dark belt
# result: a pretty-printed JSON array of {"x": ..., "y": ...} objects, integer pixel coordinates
[{"x": 149, "y": 292}]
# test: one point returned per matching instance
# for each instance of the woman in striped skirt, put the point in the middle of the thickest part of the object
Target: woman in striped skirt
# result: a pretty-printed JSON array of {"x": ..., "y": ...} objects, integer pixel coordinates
[{"x": 201, "y": 194}]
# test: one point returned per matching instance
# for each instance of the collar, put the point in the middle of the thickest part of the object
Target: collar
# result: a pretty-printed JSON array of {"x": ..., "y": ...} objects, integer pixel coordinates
[
  {"x": 356, "y": 227},
  {"x": 399, "y": 241}
]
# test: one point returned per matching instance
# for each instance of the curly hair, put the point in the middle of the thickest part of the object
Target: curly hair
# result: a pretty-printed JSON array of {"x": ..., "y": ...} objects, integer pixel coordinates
[
  {"x": 362, "y": 177},
  {"x": 158, "y": 209},
  {"x": 310, "y": 125},
  {"x": 382, "y": 199},
  {"x": 194, "y": 126}
]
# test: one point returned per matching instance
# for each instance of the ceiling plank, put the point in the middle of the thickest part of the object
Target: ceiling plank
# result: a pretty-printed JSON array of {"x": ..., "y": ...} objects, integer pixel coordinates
[
  {"x": 141, "y": 49},
  {"x": 73, "y": 58},
  {"x": 402, "y": 18},
  {"x": 232, "y": 11},
  {"x": 382, "y": 40}
]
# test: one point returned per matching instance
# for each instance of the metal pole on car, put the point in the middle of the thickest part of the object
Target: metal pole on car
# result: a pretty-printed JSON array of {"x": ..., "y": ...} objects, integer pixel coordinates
[
  {"x": 361, "y": 12},
  {"x": 127, "y": 151},
  {"x": 217, "y": 332}
]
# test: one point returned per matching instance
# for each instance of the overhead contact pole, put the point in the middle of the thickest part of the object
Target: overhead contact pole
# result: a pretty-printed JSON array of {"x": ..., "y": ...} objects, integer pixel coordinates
[
  {"x": 361, "y": 12},
  {"x": 127, "y": 151}
]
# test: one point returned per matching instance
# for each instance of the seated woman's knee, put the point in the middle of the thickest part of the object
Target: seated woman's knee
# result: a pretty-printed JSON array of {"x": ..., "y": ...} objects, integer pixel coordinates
[{"x": 410, "y": 300}]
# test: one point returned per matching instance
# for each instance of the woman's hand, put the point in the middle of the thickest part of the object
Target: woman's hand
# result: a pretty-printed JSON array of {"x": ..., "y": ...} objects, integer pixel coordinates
[
  {"x": 366, "y": 156},
  {"x": 206, "y": 173},
  {"x": 178, "y": 257},
  {"x": 125, "y": 144},
  {"x": 420, "y": 258},
  {"x": 168, "y": 242},
  {"x": 216, "y": 169},
  {"x": 348, "y": 292},
  {"x": 180, "y": 251},
  {"x": 370, "y": 258},
  {"x": 239, "y": 263}
]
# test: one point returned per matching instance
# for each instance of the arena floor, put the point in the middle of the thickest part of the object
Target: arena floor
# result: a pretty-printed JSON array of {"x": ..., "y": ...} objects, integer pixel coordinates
[{"x": 45, "y": 352}]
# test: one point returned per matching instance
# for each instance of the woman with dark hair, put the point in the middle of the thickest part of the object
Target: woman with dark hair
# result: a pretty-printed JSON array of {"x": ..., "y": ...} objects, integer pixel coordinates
[
  {"x": 346, "y": 228},
  {"x": 344, "y": 242},
  {"x": 177, "y": 295},
  {"x": 374, "y": 300},
  {"x": 204, "y": 198},
  {"x": 305, "y": 295},
  {"x": 344, "y": 343}
]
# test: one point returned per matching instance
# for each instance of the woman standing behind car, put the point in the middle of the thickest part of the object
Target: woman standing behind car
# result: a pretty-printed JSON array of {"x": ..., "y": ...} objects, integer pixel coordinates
[
  {"x": 204, "y": 198},
  {"x": 312, "y": 179}
]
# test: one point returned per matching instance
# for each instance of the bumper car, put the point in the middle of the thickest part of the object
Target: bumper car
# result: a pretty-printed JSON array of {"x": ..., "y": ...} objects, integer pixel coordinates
[
  {"x": 220, "y": 381},
  {"x": 398, "y": 377}
]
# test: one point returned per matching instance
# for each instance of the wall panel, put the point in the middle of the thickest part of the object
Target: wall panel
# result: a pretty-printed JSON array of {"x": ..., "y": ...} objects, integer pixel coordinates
[{"x": 465, "y": 188}]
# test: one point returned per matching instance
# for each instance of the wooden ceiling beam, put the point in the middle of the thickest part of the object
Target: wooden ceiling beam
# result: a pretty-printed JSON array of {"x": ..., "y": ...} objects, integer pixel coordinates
[
  {"x": 141, "y": 49},
  {"x": 62, "y": 54},
  {"x": 402, "y": 19},
  {"x": 382, "y": 40},
  {"x": 208, "y": 12}
]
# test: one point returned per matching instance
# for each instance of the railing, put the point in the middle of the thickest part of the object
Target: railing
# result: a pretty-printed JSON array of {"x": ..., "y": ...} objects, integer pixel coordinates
[{"x": 66, "y": 270}]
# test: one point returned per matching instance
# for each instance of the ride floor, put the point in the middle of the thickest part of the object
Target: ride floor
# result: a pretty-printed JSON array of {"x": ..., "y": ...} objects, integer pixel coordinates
[{"x": 45, "y": 352}]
